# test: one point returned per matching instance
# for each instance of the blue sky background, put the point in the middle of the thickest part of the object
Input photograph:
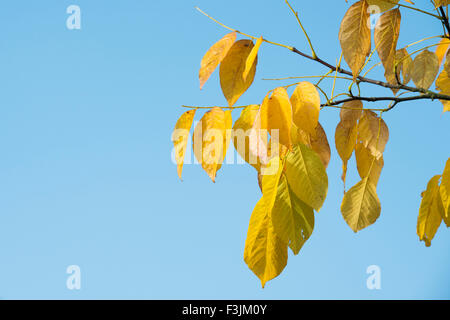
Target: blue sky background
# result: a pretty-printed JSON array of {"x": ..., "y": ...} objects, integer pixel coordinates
[{"x": 86, "y": 176}]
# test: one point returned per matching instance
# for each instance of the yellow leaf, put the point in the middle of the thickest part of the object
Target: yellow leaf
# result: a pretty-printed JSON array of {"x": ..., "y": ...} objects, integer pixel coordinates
[
  {"x": 276, "y": 114},
  {"x": 232, "y": 69},
  {"x": 345, "y": 140},
  {"x": 241, "y": 135},
  {"x": 354, "y": 36},
  {"x": 384, "y": 5},
  {"x": 305, "y": 102},
  {"x": 445, "y": 192},
  {"x": 265, "y": 253},
  {"x": 321, "y": 146},
  {"x": 258, "y": 138},
  {"x": 351, "y": 112},
  {"x": 361, "y": 206},
  {"x": 214, "y": 57},
  {"x": 404, "y": 64},
  {"x": 442, "y": 48},
  {"x": 307, "y": 176},
  {"x": 209, "y": 141},
  {"x": 292, "y": 219},
  {"x": 386, "y": 36},
  {"x": 180, "y": 138},
  {"x": 270, "y": 179},
  {"x": 425, "y": 69},
  {"x": 441, "y": 3},
  {"x": 364, "y": 160},
  {"x": 430, "y": 212},
  {"x": 252, "y": 58},
  {"x": 373, "y": 133}
]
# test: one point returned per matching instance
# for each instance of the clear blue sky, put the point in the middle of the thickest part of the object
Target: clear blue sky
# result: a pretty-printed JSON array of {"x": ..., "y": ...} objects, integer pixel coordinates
[{"x": 86, "y": 177}]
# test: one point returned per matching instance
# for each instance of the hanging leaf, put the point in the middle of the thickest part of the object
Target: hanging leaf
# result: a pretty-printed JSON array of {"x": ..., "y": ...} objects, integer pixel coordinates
[
  {"x": 180, "y": 138},
  {"x": 265, "y": 253},
  {"x": 354, "y": 36},
  {"x": 441, "y": 3},
  {"x": 276, "y": 114},
  {"x": 441, "y": 49},
  {"x": 214, "y": 57},
  {"x": 351, "y": 112},
  {"x": 292, "y": 219},
  {"x": 445, "y": 193},
  {"x": 430, "y": 212},
  {"x": 307, "y": 176},
  {"x": 443, "y": 84},
  {"x": 425, "y": 69},
  {"x": 232, "y": 70},
  {"x": 305, "y": 102},
  {"x": 361, "y": 206},
  {"x": 321, "y": 146},
  {"x": 386, "y": 36},
  {"x": 367, "y": 165},
  {"x": 252, "y": 58},
  {"x": 241, "y": 135},
  {"x": 270, "y": 180},
  {"x": 404, "y": 64},
  {"x": 209, "y": 141},
  {"x": 373, "y": 133},
  {"x": 384, "y": 5}
]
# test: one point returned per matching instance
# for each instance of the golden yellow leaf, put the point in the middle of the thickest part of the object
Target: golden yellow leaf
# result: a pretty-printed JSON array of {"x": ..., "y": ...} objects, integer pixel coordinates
[
  {"x": 441, "y": 3},
  {"x": 265, "y": 253},
  {"x": 232, "y": 69},
  {"x": 345, "y": 139},
  {"x": 364, "y": 159},
  {"x": 258, "y": 139},
  {"x": 386, "y": 36},
  {"x": 354, "y": 36},
  {"x": 307, "y": 176},
  {"x": 443, "y": 84},
  {"x": 430, "y": 212},
  {"x": 270, "y": 179},
  {"x": 442, "y": 48},
  {"x": 404, "y": 64},
  {"x": 276, "y": 114},
  {"x": 305, "y": 102},
  {"x": 180, "y": 138},
  {"x": 252, "y": 58},
  {"x": 321, "y": 146},
  {"x": 445, "y": 192},
  {"x": 214, "y": 57},
  {"x": 351, "y": 112},
  {"x": 361, "y": 206},
  {"x": 425, "y": 69},
  {"x": 241, "y": 135},
  {"x": 209, "y": 141},
  {"x": 373, "y": 133},
  {"x": 384, "y": 5},
  {"x": 292, "y": 219}
]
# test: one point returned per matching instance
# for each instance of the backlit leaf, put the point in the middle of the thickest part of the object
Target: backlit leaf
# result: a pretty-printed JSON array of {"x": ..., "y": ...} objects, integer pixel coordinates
[
  {"x": 345, "y": 140},
  {"x": 321, "y": 146},
  {"x": 252, "y": 58},
  {"x": 361, "y": 206},
  {"x": 305, "y": 102},
  {"x": 443, "y": 84},
  {"x": 442, "y": 48},
  {"x": 404, "y": 64},
  {"x": 354, "y": 36},
  {"x": 241, "y": 135},
  {"x": 364, "y": 160},
  {"x": 430, "y": 212},
  {"x": 180, "y": 138},
  {"x": 442, "y": 3},
  {"x": 373, "y": 133},
  {"x": 445, "y": 192},
  {"x": 232, "y": 70},
  {"x": 425, "y": 69},
  {"x": 214, "y": 57}
]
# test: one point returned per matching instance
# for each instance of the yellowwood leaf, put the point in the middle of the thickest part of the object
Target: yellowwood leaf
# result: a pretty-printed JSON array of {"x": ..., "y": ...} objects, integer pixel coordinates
[
  {"x": 404, "y": 64},
  {"x": 441, "y": 3},
  {"x": 209, "y": 140},
  {"x": 292, "y": 219},
  {"x": 430, "y": 212},
  {"x": 361, "y": 206},
  {"x": 445, "y": 192},
  {"x": 384, "y": 5},
  {"x": 354, "y": 36},
  {"x": 386, "y": 36},
  {"x": 443, "y": 84},
  {"x": 180, "y": 138},
  {"x": 258, "y": 138},
  {"x": 364, "y": 159},
  {"x": 306, "y": 175},
  {"x": 265, "y": 253},
  {"x": 373, "y": 133},
  {"x": 214, "y": 57},
  {"x": 351, "y": 112},
  {"x": 232, "y": 70},
  {"x": 305, "y": 102},
  {"x": 345, "y": 139},
  {"x": 270, "y": 179},
  {"x": 425, "y": 69},
  {"x": 252, "y": 58},
  {"x": 321, "y": 146},
  {"x": 441, "y": 49},
  {"x": 276, "y": 114},
  {"x": 241, "y": 135}
]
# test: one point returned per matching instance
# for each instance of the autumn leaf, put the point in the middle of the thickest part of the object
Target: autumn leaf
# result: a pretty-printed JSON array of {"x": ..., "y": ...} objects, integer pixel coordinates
[
  {"x": 252, "y": 58},
  {"x": 445, "y": 193},
  {"x": 241, "y": 135},
  {"x": 232, "y": 70},
  {"x": 180, "y": 138},
  {"x": 354, "y": 36},
  {"x": 321, "y": 146},
  {"x": 265, "y": 253},
  {"x": 441, "y": 3},
  {"x": 373, "y": 133},
  {"x": 361, "y": 206},
  {"x": 214, "y": 57},
  {"x": 209, "y": 140},
  {"x": 367, "y": 165},
  {"x": 404, "y": 64},
  {"x": 425, "y": 69},
  {"x": 442, "y": 48},
  {"x": 276, "y": 114},
  {"x": 443, "y": 84},
  {"x": 430, "y": 212},
  {"x": 305, "y": 102}
]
